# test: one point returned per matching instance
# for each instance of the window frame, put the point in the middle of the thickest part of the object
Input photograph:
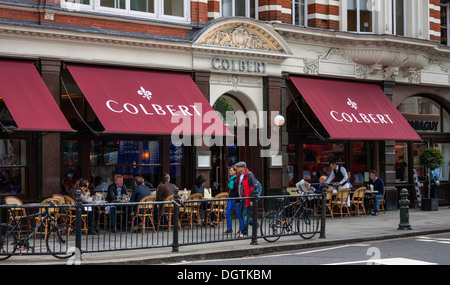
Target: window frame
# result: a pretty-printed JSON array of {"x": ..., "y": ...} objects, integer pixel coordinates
[
  {"x": 447, "y": 7},
  {"x": 247, "y": 9},
  {"x": 394, "y": 18},
  {"x": 157, "y": 15},
  {"x": 358, "y": 17},
  {"x": 305, "y": 12}
]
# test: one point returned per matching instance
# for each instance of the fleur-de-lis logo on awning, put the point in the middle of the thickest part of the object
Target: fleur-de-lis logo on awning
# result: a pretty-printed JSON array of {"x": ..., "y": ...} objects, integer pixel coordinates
[
  {"x": 352, "y": 104},
  {"x": 144, "y": 93}
]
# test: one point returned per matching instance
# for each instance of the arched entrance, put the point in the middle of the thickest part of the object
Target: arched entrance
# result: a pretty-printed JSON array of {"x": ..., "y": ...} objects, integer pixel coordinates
[{"x": 240, "y": 116}]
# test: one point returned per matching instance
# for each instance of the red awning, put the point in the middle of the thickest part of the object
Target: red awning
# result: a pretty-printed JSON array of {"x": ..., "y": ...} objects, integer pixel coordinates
[
  {"x": 28, "y": 99},
  {"x": 354, "y": 111},
  {"x": 147, "y": 102}
]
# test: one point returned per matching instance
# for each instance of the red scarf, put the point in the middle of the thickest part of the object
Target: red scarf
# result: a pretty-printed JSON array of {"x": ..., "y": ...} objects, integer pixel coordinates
[{"x": 247, "y": 188}]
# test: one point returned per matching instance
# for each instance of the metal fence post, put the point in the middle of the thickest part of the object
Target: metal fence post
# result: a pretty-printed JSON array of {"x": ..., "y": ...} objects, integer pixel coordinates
[
  {"x": 176, "y": 211},
  {"x": 254, "y": 217},
  {"x": 323, "y": 217},
  {"x": 78, "y": 221}
]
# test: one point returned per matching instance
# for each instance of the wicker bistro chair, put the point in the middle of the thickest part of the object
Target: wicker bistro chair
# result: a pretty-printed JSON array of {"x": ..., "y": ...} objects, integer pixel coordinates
[
  {"x": 341, "y": 200},
  {"x": 144, "y": 214},
  {"x": 381, "y": 202},
  {"x": 18, "y": 212},
  {"x": 358, "y": 201},
  {"x": 52, "y": 210},
  {"x": 69, "y": 216},
  {"x": 166, "y": 210},
  {"x": 329, "y": 203},
  {"x": 218, "y": 208},
  {"x": 191, "y": 210}
]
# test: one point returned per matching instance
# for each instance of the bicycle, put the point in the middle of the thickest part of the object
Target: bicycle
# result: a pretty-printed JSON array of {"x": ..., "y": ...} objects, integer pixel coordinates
[
  {"x": 276, "y": 222},
  {"x": 59, "y": 241}
]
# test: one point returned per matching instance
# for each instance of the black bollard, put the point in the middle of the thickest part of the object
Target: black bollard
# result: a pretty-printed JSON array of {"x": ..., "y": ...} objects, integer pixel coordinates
[
  {"x": 176, "y": 211},
  {"x": 404, "y": 211},
  {"x": 78, "y": 221}
]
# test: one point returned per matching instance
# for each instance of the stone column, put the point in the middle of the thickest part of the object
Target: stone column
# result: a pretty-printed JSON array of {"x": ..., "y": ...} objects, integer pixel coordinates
[{"x": 51, "y": 143}]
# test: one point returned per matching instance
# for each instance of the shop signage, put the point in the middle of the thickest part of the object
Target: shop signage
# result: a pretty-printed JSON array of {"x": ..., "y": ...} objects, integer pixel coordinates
[
  {"x": 424, "y": 125},
  {"x": 239, "y": 65}
]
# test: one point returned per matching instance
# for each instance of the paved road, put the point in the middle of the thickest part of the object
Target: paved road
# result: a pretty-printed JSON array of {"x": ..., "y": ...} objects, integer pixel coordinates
[{"x": 420, "y": 250}]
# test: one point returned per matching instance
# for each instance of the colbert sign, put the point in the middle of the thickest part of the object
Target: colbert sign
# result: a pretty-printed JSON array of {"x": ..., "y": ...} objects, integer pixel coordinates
[
  {"x": 146, "y": 102},
  {"x": 239, "y": 65},
  {"x": 353, "y": 110}
]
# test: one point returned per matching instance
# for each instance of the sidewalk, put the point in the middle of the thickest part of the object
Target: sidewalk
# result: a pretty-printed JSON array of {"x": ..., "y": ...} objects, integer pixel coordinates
[{"x": 338, "y": 231}]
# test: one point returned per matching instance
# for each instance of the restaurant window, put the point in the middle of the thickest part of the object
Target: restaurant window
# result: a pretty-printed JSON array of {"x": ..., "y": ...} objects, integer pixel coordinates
[
  {"x": 177, "y": 165},
  {"x": 419, "y": 170},
  {"x": 316, "y": 159},
  {"x": 361, "y": 160},
  {"x": 401, "y": 159},
  {"x": 127, "y": 157},
  {"x": 360, "y": 17},
  {"x": 399, "y": 17},
  {"x": 71, "y": 163},
  {"x": 240, "y": 8},
  {"x": 446, "y": 120},
  {"x": 299, "y": 13},
  {"x": 444, "y": 170},
  {"x": 13, "y": 166}
]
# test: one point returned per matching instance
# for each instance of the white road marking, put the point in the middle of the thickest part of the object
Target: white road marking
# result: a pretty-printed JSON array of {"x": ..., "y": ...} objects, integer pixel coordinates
[{"x": 387, "y": 261}]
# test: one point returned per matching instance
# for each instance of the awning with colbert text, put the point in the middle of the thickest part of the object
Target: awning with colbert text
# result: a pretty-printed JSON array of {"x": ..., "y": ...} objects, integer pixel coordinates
[
  {"x": 27, "y": 98},
  {"x": 354, "y": 111},
  {"x": 138, "y": 101}
]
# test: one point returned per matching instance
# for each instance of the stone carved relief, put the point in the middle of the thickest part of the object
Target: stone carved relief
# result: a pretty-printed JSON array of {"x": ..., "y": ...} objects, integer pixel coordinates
[
  {"x": 236, "y": 80},
  {"x": 242, "y": 37}
]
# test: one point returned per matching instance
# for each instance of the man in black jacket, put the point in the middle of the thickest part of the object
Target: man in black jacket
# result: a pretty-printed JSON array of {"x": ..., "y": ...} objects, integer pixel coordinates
[{"x": 115, "y": 190}]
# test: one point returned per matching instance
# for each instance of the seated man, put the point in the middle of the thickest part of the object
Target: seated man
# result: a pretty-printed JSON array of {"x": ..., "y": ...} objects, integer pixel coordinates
[
  {"x": 318, "y": 188},
  {"x": 378, "y": 185}
]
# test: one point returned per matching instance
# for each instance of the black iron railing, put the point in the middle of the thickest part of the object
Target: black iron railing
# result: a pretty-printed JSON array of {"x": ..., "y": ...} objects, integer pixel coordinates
[{"x": 98, "y": 227}]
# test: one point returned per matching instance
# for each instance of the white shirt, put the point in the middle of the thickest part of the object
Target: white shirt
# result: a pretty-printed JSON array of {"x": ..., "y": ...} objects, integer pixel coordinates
[{"x": 332, "y": 176}]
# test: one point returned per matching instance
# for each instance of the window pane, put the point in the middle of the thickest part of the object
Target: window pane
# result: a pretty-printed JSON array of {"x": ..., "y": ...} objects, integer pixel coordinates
[
  {"x": 316, "y": 159},
  {"x": 143, "y": 5},
  {"x": 174, "y": 8},
  {"x": 365, "y": 17},
  {"x": 239, "y": 6},
  {"x": 86, "y": 2},
  {"x": 253, "y": 9},
  {"x": 118, "y": 4},
  {"x": 227, "y": 8},
  {"x": 420, "y": 171},
  {"x": 13, "y": 163},
  {"x": 444, "y": 24},
  {"x": 446, "y": 121},
  {"x": 360, "y": 163},
  {"x": 399, "y": 17},
  {"x": 299, "y": 13},
  {"x": 401, "y": 167},
  {"x": 445, "y": 168},
  {"x": 352, "y": 16}
]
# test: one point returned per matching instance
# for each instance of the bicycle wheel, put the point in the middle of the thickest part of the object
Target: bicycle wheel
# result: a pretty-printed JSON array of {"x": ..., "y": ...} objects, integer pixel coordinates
[
  {"x": 272, "y": 226},
  {"x": 7, "y": 241},
  {"x": 61, "y": 241},
  {"x": 308, "y": 224}
]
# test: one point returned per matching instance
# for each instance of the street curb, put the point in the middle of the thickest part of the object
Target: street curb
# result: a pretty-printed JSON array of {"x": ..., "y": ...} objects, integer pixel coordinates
[{"x": 258, "y": 250}]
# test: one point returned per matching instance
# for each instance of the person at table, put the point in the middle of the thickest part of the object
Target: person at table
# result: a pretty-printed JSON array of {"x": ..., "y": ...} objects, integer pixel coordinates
[
  {"x": 83, "y": 185},
  {"x": 140, "y": 190},
  {"x": 116, "y": 189},
  {"x": 338, "y": 174},
  {"x": 378, "y": 186},
  {"x": 318, "y": 188},
  {"x": 199, "y": 185},
  {"x": 165, "y": 189}
]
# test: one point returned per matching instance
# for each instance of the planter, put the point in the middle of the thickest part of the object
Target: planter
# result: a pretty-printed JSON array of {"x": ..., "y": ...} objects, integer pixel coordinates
[{"x": 430, "y": 204}]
